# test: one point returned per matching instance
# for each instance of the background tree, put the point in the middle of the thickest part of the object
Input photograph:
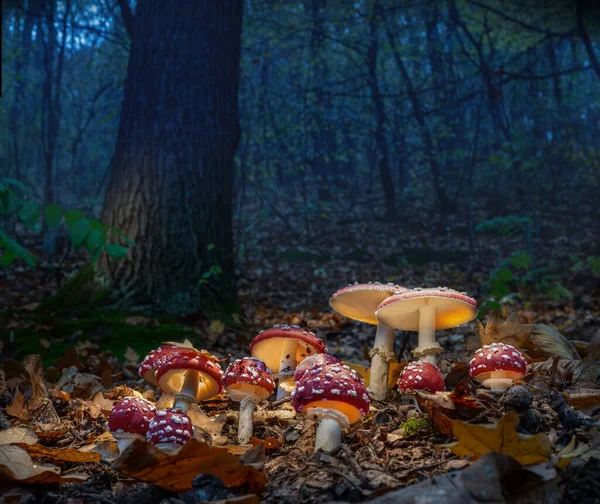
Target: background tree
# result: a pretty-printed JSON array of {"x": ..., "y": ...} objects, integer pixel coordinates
[{"x": 170, "y": 187}]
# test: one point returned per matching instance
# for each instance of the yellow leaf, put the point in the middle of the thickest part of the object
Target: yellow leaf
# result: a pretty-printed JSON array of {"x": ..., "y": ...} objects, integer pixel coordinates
[
  {"x": 476, "y": 440},
  {"x": 217, "y": 327},
  {"x": 364, "y": 372}
]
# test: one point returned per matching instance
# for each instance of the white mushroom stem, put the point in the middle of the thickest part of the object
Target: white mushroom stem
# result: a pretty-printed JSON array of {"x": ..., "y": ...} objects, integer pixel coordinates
[
  {"x": 248, "y": 402},
  {"x": 329, "y": 428},
  {"x": 287, "y": 365},
  {"x": 381, "y": 354},
  {"x": 498, "y": 382},
  {"x": 189, "y": 390},
  {"x": 125, "y": 439},
  {"x": 428, "y": 347}
]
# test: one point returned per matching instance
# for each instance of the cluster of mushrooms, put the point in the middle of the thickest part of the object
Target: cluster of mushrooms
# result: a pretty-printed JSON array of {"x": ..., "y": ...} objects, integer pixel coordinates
[{"x": 296, "y": 362}]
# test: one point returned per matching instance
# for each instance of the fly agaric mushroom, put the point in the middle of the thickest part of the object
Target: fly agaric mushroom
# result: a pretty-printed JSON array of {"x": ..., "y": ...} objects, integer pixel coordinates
[
  {"x": 359, "y": 302},
  {"x": 129, "y": 417},
  {"x": 312, "y": 362},
  {"x": 158, "y": 356},
  {"x": 497, "y": 366},
  {"x": 282, "y": 348},
  {"x": 248, "y": 381},
  {"x": 425, "y": 310},
  {"x": 169, "y": 428},
  {"x": 421, "y": 375},
  {"x": 191, "y": 377},
  {"x": 335, "y": 396}
]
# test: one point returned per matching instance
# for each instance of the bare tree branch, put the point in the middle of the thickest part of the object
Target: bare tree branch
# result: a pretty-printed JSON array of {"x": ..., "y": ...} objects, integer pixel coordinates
[{"x": 585, "y": 36}]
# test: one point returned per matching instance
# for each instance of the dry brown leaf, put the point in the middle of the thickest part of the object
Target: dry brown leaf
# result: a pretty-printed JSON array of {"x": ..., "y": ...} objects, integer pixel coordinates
[
  {"x": 16, "y": 466},
  {"x": 17, "y": 407},
  {"x": 537, "y": 340},
  {"x": 60, "y": 454},
  {"x": 105, "y": 445},
  {"x": 176, "y": 471},
  {"x": 15, "y": 435},
  {"x": 476, "y": 440},
  {"x": 122, "y": 391},
  {"x": 584, "y": 400},
  {"x": 211, "y": 425},
  {"x": 104, "y": 404}
]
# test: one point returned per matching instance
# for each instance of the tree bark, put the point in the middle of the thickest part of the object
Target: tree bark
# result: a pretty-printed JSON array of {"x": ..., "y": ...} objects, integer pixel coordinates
[
  {"x": 171, "y": 183},
  {"x": 383, "y": 157}
]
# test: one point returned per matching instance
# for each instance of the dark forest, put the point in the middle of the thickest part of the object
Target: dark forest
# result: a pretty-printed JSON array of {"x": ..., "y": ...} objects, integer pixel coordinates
[{"x": 299, "y": 251}]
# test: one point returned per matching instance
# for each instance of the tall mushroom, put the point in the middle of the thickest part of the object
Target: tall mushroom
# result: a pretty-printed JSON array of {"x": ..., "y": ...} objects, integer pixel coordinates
[
  {"x": 337, "y": 397},
  {"x": 248, "y": 380},
  {"x": 191, "y": 377},
  {"x": 425, "y": 310},
  {"x": 282, "y": 348},
  {"x": 359, "y": 302}
]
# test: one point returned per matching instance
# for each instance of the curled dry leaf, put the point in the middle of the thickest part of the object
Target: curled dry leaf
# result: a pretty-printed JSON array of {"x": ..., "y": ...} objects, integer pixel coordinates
[
  {"x": 60, "y": 454},
  {"x": 16, "y": 466},
  {"x": 476, "y": 440},
  {"x": 17, "y": 407},
  {"x": 176, "y": 471},
  {"x": 537, "y": 340}
]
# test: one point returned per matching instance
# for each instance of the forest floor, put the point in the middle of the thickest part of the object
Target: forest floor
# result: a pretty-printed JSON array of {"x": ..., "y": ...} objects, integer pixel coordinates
[{"x": 53, "y": 409}]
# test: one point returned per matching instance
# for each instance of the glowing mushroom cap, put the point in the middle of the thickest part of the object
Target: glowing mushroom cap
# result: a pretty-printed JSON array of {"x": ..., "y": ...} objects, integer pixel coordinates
[
  {"x": 452, "y": 308},
  {"x": 332, "y": 386},
  {"x": 249, "y": 375},
  {"x": 421, "y": 375},
  {"x": 170, "y": 426},
  {"x": 171, "y": 375},
  {"x": 156, "y": 358},
  {"x": 498, "y": 357},
  {"x": 312, "y": 362},
  {"x": 360, "y": 301},
  {"x": 268, "y": 344},
  {"x": 131, "y": 414}
]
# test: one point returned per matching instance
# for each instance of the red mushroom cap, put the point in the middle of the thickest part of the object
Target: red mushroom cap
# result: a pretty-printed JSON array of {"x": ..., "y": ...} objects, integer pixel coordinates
[
  {"x": 131, "y": 414},
  {"x": 251, "y": 375},
  {"x": 332, "y": 386},
  {"x": 171, "y": 374},
  {"x": 421, "y": 375},
  {"x": 170, "y": 426},
  {"x": 157, "y": 357},
  {"x": 312, "y": 362},
  {"x": 498, "y": 357},
  {"x": 267, "y": 345}
]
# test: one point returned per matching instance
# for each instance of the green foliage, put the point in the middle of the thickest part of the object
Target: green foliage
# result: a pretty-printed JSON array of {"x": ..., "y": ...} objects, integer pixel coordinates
[
  {"x": 509, "y": 225},
  {"x": 83, "y": 231},
  {"x": 413, "y": 426},
  {"x": 517, "y": 276}
]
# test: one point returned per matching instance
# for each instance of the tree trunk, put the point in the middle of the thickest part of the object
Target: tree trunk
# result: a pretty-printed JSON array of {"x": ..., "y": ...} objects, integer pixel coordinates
[
  {"x": 171, "y": 182},
  {"x": 383, "y": 158}
]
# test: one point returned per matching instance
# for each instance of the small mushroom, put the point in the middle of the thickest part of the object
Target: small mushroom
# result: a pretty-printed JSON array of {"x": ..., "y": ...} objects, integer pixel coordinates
[
  {"x": 336, "y": 396},
  {"x": 248, "y": 381},
  {"x": 312, "y": 362},
  {"x": 282, "y": 348},
  {"x": 155, "y": 358},
  {"x": 191, "y": 377},
  {"x": 498, "y": 366},
  {"x": 129, "y": 417},
  {"x": 359, "y": 302},
  {"x": 425, "y": 310},
  {"x": 421, "y": 375},
  {"x": 170, "y": 428}
]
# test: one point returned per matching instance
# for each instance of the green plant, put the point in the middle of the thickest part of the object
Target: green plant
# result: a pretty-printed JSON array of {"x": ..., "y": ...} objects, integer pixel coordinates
[
  {"x": 83, "y": 232},
  {"x": 509, "y": 225},
  {"x": 515, "y": 275}
]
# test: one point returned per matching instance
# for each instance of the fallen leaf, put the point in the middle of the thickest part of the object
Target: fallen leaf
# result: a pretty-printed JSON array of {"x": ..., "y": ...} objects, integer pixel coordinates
[
  {"x": 60, "y": 454},
  {"x": 17, "y": 407},
  {"x": 39, "y": 393},
  {"x": 16, "y": 466},
  {"x": 475, "y": 440},
  {"x": 122, "y": 391},
  {"x": 217, "y": 327},
  {"x": 364, "y": 372},
  {"x": 131, "y": 356},
  {"x": 270, "y": 443},
  {"x": 45, "y": 343},
  {"x": 176, "y": 471},
  {"x": 15, "y": 435},
  {"x": 584, "y": 400},
  {"x": 438, "y": 411}
]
